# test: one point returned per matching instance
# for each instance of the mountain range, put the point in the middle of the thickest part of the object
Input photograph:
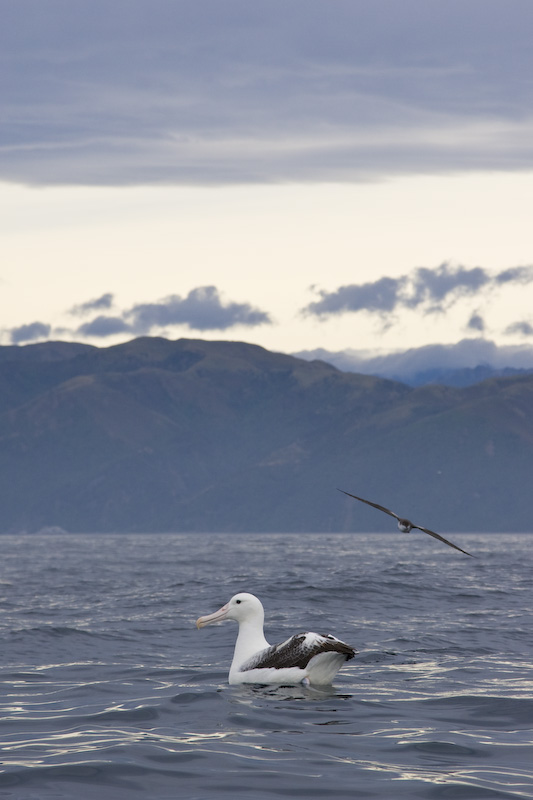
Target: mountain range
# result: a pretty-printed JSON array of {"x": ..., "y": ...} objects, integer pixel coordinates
[
  {"x": 194, "y": 435},
  {"x": 462, "y": 363}
]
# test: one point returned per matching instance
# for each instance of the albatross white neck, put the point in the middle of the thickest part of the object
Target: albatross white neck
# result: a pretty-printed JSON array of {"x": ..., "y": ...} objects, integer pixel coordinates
[{"x": 250, "y": 640}]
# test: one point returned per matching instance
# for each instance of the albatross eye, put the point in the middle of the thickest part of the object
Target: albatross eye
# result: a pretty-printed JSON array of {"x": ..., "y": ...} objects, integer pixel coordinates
[{"x": 238, "y": 601}]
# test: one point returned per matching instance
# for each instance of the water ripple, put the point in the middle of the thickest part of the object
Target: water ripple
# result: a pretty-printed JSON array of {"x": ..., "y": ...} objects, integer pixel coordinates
[{"x": 110, "y": 691}]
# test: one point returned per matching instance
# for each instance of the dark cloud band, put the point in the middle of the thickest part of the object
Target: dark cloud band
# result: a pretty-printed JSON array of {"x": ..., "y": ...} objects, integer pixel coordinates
[{"x": 239, "y": 91}]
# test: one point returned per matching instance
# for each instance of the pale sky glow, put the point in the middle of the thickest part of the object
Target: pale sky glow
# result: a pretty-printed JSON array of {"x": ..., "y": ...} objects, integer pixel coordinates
[
  {"x": 276, "y": 170},
  {"x": 266, "y": 245}
]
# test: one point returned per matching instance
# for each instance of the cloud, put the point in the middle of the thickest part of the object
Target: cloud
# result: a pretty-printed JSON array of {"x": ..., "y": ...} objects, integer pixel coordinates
[
  {"x": 29, "y": 332},
  {"x": 427, "y": 290},
  {"x": 211, "y": 92},
  {"x": 523, "y": 328},
  {"x": 476, "y": 323},
  {"x": 202, "y": 309},
  {"x": 103, "y": 326},
  {"x": 99, "y": 303},
  {"x": 515, "y": 275},
  {"x": 433, "y": 287},
  {"x": 382, "y": 296}
]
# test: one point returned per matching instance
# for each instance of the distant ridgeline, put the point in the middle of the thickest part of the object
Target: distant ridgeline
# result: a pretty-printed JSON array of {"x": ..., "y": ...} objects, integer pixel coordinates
[{"x": 191, "y": 435}]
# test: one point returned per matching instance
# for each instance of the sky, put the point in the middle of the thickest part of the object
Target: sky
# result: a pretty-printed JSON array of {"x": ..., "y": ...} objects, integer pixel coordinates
[{"x": 305, "y": 174}]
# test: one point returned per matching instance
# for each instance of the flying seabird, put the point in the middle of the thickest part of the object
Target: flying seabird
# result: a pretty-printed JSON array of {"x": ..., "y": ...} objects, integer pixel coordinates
[
  {"x": 309, "y": 658},
  {"x": 405, "y": 525}
]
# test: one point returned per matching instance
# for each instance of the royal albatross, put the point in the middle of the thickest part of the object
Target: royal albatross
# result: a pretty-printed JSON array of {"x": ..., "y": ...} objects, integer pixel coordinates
[
  {"x": 405, "y": 525},
  {"x": 304, "y": 658}
]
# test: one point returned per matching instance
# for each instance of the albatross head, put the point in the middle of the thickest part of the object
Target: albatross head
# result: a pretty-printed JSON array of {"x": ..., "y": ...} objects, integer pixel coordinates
[{"x": 242, "y": 607}]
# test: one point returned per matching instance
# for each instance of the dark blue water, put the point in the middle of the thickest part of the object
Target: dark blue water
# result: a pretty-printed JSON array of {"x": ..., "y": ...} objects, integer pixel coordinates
[{"x": 109, "y": 691}]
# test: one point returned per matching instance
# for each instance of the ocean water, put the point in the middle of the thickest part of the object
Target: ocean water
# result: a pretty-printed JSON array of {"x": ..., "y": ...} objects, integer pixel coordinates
[{"x": 109, "y": 691}]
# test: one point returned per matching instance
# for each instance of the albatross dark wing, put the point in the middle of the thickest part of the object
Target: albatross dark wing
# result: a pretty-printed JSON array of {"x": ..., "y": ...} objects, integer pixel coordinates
[
  {"x": 369, "y": 503},
  {"x": 298, "y": 652},
  {"x": 442, "y": 539}
]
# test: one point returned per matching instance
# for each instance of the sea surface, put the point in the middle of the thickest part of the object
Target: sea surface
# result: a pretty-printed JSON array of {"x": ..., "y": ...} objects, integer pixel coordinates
[{"x": 109, "y": 691}]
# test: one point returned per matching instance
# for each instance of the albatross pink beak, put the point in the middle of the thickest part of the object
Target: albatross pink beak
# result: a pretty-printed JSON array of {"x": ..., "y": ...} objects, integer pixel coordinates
[{"x": 217, "y": 616}]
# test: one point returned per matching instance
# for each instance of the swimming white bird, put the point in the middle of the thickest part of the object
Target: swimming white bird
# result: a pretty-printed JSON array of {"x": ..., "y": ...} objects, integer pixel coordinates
[
  {"x": 304, "y": 658},
  {"x": 405, "y": 525}
]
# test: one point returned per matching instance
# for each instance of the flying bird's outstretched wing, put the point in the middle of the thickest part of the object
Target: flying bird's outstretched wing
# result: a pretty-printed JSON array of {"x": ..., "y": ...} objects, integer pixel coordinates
[
  {"x": 369, "y": 503},
  {"x": 442, "y": 539},
  {"x": 408, "y": 523}
]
